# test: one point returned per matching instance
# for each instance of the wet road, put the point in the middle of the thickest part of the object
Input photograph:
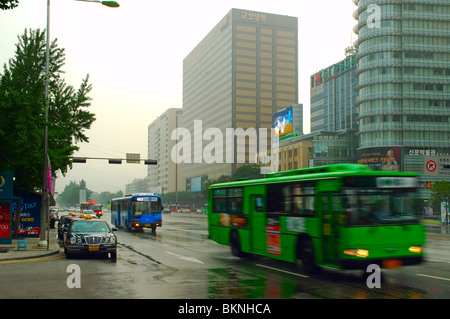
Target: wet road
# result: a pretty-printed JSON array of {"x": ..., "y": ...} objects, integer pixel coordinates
[{"x": 180, "y": 262}]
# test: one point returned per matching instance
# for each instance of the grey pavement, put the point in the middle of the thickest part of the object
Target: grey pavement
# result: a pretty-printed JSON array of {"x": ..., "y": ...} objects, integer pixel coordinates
[{"x": 35, "y": 249}]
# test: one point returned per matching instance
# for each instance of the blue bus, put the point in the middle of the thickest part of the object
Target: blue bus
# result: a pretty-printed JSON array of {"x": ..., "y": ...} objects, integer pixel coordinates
[{"x": 137, "y": 211}]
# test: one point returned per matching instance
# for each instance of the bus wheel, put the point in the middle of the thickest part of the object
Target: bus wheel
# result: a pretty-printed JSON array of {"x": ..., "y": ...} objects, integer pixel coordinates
[
  {"x": 305, "y": 256},
  {"x": 235, "y": 244}
]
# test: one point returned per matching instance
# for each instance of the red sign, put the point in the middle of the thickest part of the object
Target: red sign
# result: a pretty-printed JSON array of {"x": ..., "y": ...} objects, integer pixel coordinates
[
  {"x": 273, "y": 239},
  {"x": 5, "y": 219},
  {"x": 431, "y": 166}
]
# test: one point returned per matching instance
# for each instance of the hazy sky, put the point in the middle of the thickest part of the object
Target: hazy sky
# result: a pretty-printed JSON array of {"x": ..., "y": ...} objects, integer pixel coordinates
[{"x": 134, "y": 57}]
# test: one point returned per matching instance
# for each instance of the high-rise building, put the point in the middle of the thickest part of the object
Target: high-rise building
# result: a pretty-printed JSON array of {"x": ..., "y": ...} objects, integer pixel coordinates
[
  {"x": 333, "y": 97},
  {"x": 403, "y": 69},
  {"x": 242, "y": 72},
  {"x": 164, "y": 177}
]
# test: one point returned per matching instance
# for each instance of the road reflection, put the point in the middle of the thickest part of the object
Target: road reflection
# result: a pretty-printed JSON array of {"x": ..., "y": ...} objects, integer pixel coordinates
[{"x": 248, "y": 280}]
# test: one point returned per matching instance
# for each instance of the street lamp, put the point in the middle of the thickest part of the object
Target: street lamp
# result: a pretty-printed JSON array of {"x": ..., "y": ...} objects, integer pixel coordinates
[
  {"x": 44, "y": 200},
  {"x": 111, "y": 4}
]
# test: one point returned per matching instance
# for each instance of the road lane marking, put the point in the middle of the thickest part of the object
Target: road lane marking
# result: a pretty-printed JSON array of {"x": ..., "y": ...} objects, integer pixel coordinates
[
  {"x": 29, "y": 260},
  {"x": 434, "y": 277},
  {"x": 281, "y": 270},
  {"x": 195, "y": 260}
]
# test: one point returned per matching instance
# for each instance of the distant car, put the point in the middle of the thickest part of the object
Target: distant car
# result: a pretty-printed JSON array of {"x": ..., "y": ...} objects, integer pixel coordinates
[
  {"x": 85, "y": 212},
  {"x": 63, "y": 224},
  {"x": 88, "y": 236}
]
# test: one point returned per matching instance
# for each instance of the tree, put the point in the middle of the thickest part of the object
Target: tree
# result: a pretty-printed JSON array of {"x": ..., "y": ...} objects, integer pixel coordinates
[
  {"x": 247, "y": 171},
  {"x": 440, "y": 192},
  {"x": 22, "y": 105},
  {"x": 8, "y": 4},
  {"x": 71, "y": 194}
]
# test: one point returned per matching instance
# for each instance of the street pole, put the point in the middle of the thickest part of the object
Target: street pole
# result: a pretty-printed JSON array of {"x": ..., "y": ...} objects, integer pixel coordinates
[
  {"x": 45, "y": 190},
  {"x": 44, "y": 200}
]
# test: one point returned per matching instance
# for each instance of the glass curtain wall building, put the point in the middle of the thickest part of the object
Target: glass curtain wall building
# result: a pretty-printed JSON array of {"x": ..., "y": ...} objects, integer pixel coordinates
[
  {"x": 243, "y": 71},
  {"x": 403, "y": 69},
  {"x": 333, "y": 97}
]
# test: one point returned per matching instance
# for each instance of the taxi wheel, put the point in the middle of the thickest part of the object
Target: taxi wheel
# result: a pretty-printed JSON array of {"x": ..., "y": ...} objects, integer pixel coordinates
[{"x": 114, "y": 257}]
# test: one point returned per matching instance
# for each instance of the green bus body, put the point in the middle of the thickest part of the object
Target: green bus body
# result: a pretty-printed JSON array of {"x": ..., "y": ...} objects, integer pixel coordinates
[{"x": 328, "y": 216}]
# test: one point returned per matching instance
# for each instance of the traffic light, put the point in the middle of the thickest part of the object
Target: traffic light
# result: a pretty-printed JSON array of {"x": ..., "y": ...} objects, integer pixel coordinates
[
  {"x": 150, "y": 162},
  {"x": 114, "y": 161},
  {"x": 79, "y": 160}
]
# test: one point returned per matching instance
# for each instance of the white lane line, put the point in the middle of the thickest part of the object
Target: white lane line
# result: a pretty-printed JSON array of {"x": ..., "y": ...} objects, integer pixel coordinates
[
  {"x": 434, "y": 277},
  {"x": 281, "y": 270},
  {"x": 195, "y": 260}
]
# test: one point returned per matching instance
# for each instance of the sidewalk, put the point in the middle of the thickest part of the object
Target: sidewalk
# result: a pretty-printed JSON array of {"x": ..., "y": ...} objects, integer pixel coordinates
[{"x": 10, "y": 252}]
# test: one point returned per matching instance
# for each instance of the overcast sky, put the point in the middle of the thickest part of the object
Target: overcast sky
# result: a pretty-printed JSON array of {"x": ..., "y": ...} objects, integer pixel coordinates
[{"x": 134, "y": 57}]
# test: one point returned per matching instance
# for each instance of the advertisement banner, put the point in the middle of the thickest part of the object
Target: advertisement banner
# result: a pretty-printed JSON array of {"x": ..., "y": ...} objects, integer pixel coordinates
[
  {"x": 282, "y": 122},
  {"x": 6, "y": 185},
  {"x": 30, "y": 215},
  {"x": 5, "y": 220},
  {"x": 381, "y": 158}
]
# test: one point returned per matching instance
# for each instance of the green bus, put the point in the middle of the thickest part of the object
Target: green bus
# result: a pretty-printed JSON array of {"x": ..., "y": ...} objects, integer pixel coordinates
[{"x": 344, "y": 216}]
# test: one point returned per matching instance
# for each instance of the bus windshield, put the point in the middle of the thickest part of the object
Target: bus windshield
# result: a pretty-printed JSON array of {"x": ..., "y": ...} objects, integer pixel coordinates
[
  {"x": 96, "y": 206},
  {"x": 380, "y": 207},
  {"x": 140, "y": 208}
]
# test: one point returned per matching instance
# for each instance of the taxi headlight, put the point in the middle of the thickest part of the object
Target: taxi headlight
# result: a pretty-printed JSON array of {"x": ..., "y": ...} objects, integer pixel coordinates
[
  {"x": 73, "y": 240},
  {"x": 112, "y": 240}
]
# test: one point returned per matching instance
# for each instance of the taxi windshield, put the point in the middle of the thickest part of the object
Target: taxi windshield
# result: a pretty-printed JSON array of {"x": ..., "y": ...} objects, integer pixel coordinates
[
  {"x": 380, "y": 207},
  {"x": 90, "y": 227}
]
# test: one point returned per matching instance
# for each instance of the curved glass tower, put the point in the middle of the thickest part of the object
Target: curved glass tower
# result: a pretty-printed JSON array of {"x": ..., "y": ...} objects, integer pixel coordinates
[{"x": 403, "y": 68}]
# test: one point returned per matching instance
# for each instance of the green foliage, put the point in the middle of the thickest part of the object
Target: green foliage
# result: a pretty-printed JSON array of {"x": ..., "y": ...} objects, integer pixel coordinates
[
  {"x": 22, "y": 105},
  {"x": 71, "y": 195},
  {"x": 249, "y": 171},
  {"x": 440, "y": 192},
  {"x": 105, "y": 197},
  {"x": 8, "y": 4}
]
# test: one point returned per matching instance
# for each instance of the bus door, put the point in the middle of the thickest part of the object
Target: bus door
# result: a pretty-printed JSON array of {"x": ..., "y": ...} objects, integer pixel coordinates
[
  {"x": 329, "y": 226},
  {"x": 257, "y": 216},
  {"x": 118, "y": 219}
]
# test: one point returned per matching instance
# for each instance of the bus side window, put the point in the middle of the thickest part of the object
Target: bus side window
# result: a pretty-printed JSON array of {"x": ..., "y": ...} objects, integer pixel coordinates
[{"x": 258, "y": 203}]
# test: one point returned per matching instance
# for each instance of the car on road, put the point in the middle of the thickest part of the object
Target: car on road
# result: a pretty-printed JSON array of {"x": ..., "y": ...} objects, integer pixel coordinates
[
  {"x": 92, "y": 237},
  {"x": 86, "y": 212}
]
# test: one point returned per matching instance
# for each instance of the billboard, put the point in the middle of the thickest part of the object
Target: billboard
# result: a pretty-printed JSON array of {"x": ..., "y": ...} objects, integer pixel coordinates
[
  {"x": 30, "y": 215},
  {"x": 381, "y": 158},
  {"x": 282, "y": 122},
  {"x": 5, "y": 221}
]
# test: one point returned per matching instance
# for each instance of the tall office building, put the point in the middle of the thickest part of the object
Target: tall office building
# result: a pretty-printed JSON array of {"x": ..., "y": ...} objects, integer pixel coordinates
[
  {"x": 242, "y": 72},
  {"x": 403, "y": 68},
  {"x": 165, "y": 177},
  {"x": 333, "y": 97}
]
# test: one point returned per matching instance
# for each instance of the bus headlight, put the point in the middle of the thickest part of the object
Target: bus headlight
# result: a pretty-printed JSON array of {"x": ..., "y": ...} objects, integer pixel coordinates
[
  {"x": 416, "y": 249},
  {"x": 357, "y": 252}
]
